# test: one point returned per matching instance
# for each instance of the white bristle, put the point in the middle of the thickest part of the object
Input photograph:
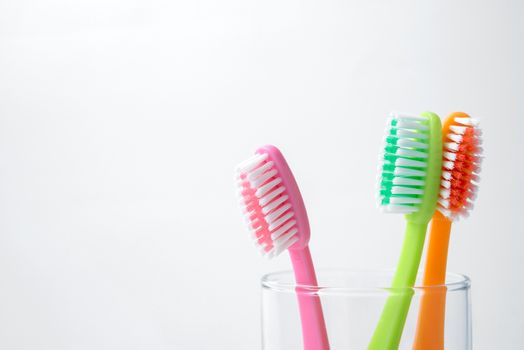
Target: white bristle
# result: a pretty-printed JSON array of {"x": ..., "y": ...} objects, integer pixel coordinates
[
  {"x": 403, "y": 162},
  {"x": 408, "y": 172},
  {"x": 405, "y": 200},
  {"x": 285, "y": 245},
  {"x": 406, "y": 190},
  {"x": 259, "y": 171},
  {"x": 283, "y": 229},
  {"x": 251, "y": 163},
  {"x": 411, "y": 134},
  {"x": 264, "y": 189},
  {"x": 407, "y": 181},
  {"x": 411, "y": 153},
  {"x": 450, "y": 156},
  {"x": 460, "y": 130},
  {"x": 274, "y": 215},
  {"x": 448, "y": 165},
  {"x": 444, "y": 193},
  {"x": 455, "y": 138},
  {"x": 411, "y": 144},
  {"x": 451, "y": 146},
  {"x": 263, "y": 178},
  {"x": 444, "y": 203},
  {"x": 467, "y": 121},
  {"x": 280, "y": 221},
  {"x": 274, "y": 204},
  {"x": 268, "y": 197},
  {"x": 285, "y": 237},
  {"x": 407, "y": 124}
]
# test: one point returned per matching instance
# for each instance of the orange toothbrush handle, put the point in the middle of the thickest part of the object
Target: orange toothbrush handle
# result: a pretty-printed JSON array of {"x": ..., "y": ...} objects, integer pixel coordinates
[{"x": 430, "y": 326}]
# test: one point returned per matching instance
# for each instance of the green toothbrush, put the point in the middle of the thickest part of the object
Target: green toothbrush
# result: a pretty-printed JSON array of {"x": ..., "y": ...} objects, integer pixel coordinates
[{"x": 409, "y": 184}]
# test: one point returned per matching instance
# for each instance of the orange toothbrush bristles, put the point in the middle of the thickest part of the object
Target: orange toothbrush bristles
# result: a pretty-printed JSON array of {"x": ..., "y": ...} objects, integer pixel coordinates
[{"x": 461, "y": 165}]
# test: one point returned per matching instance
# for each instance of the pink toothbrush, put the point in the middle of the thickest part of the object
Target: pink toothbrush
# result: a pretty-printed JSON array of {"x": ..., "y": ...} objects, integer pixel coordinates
[{"x": 277, "y": 218}]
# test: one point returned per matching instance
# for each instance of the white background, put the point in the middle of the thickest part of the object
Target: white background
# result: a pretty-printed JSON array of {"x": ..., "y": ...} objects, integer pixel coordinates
[{"x": 122, "y": 121}]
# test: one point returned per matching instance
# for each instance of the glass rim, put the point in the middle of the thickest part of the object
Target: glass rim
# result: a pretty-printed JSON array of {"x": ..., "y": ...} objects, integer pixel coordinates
[{"x": 275, "y": 281}]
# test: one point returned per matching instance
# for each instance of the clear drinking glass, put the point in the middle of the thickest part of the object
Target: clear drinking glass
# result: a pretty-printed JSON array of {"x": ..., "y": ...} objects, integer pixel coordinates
[{"x": 352, "y": 303}]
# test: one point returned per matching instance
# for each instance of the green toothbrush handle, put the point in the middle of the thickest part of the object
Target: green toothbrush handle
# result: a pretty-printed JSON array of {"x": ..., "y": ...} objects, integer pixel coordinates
[{"x": 389, "y": 328}]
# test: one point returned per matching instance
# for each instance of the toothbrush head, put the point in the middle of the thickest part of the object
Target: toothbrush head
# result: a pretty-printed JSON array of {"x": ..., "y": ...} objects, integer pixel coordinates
[
  {"x": 462, "y": 140},
  {"x": 272, "y": 203},
  {"x": 411, "y": 166}
]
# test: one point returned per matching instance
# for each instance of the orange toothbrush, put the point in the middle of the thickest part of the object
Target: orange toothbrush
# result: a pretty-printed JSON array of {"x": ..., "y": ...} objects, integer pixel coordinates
[{"x": 461, "y": 165}]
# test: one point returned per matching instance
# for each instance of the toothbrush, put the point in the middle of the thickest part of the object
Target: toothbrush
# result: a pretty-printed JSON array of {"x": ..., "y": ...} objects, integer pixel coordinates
[
  {"x": 461, "y": 166},
  {"x": 277, "y": 219},
  {"x": 409, "y": 184}
]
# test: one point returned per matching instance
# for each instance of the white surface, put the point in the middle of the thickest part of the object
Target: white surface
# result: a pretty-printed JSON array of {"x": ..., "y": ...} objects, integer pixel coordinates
[{"x": 122, "y": 121}]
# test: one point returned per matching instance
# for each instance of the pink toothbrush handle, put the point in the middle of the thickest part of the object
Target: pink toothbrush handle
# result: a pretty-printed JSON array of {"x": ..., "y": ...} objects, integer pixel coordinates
[{"x": 314, "y": 331}]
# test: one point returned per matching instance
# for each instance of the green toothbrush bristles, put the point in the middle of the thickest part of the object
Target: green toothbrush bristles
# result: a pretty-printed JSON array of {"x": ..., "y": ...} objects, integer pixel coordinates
[{"x": 410, "y": 169}]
